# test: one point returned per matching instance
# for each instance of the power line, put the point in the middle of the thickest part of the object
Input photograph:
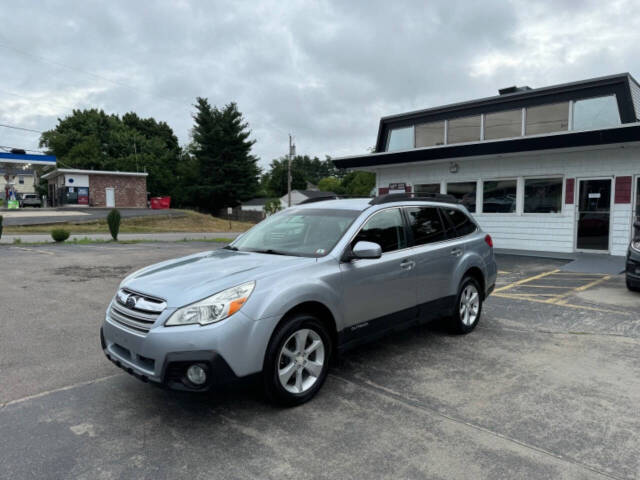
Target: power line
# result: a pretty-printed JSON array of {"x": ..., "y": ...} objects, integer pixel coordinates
[{"x": 19, "y": 128}]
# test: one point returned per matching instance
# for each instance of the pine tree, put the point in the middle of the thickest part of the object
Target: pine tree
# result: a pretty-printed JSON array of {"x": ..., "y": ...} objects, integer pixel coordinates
[{"x": 228, "y": 173}]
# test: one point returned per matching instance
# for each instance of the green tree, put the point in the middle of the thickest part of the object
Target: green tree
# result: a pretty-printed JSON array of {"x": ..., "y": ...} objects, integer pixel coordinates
[
  {"x": 331, "y": 184},
  {"x": 359, "y": 183},
  {"x": 276, "y": 179},
  {"x": 228, "y": 173},
  {"x": 92, "y": 139}
]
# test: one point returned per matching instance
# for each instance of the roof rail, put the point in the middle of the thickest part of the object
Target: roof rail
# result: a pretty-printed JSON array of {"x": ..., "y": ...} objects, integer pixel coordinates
[
  {"x": 403, "y": 197},
  {"x": 319, "y": 199}
]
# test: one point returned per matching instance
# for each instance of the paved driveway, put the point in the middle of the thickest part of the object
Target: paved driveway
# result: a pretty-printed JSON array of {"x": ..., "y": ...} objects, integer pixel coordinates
[{"x": 545, "y": 387}]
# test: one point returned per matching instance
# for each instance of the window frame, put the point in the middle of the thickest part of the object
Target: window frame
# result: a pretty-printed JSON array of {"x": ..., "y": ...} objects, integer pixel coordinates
[
  {"x": 350, "y": 244},
  {"x": 452, "y": 227},
  {"x": 572, "y": 105},
  {"x": 411, "y": 238},
  {"x": 446, "y": 192},
  {"x": 542, "y": 177},
  {"x": 502, "y": 179},
  {"x": 413, "y": 138}
]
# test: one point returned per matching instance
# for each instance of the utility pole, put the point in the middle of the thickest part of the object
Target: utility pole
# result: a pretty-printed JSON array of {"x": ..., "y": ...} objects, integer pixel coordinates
[{"x": 292, "y": 153}]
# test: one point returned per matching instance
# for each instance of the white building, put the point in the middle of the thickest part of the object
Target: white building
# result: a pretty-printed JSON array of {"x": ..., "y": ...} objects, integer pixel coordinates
[
  {"x": 553, "y": 169},
  {"x": 299, "y": 196}
]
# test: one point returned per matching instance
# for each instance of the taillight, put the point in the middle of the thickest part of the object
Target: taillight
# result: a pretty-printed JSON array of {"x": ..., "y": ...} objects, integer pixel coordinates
[{"x": 488, "y": 240}]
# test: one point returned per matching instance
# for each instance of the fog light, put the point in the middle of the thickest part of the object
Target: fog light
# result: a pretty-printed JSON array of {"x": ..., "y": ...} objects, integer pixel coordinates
[{"x": 197, "y": 375}]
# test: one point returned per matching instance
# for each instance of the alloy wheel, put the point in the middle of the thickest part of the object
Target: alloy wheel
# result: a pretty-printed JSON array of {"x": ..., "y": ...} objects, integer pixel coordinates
[
  {"x": 301, "y": 361},
  {"x": 469, "y": 305}
]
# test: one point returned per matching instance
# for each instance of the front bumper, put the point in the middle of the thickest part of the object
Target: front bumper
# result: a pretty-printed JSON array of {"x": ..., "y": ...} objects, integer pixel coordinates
[{"x": 230, "y": 349}]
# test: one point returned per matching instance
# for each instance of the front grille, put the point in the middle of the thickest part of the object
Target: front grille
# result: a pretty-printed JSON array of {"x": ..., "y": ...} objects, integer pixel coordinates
[{"x": 136, "y": 311}]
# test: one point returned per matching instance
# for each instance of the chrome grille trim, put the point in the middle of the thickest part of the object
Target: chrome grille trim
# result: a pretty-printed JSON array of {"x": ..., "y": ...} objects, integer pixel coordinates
[{"x": 141, "y": 315}]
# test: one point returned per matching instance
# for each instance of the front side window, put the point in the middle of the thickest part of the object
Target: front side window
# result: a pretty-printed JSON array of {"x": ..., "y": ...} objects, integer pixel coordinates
[
  {"x": 386, "y": 228},
  {"x": 542, "y": 195},
  {"x": 21, "y": 180},
  {"x": 549, "y": 118},
  {"x": 300, "y": 232},
  {"x": 507, "y": 124},
  {"x": 465, "y": 192},
  {"x": 430, "y": 134},
  {"x": 499, "y": 196},
  {"x": 400, "y": 139},
  {"x": 464, "y": 129},
  {"x": 459, "y": 224},
  {"x": 426, "y": 225},
  {"x": 592, "y": 113}
]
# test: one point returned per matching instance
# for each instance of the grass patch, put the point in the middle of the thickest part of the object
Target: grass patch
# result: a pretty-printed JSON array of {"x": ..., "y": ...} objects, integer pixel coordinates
[
  {"x": 91, "y": 241},
  {"x": 192, "y": 222}
]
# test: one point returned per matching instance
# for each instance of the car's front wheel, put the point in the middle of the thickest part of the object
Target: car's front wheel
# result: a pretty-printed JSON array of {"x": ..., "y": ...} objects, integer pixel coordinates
[
  {"x": 297, "y": 360},
  {"x": 468, "y": 306}
]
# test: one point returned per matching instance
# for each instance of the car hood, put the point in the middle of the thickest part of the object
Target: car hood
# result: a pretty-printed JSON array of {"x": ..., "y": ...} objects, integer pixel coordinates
[{"x": 185, "y": 280}]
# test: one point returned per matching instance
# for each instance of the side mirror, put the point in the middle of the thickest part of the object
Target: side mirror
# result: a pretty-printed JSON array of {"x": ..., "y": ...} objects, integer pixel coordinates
[{"x": 368, "y": 250}]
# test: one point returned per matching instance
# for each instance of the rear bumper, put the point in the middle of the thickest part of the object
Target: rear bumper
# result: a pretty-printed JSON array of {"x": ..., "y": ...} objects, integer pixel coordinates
[{"x": 172, "y": 373}]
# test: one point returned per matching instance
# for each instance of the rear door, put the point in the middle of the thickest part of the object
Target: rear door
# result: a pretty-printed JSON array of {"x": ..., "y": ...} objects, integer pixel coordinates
[
  {"x": 380, "y": 293},
  {"x": 436, "y": 256}
]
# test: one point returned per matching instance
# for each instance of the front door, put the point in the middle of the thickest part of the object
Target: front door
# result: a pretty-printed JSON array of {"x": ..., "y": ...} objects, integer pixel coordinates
[
  {"x": 111, "y": 197},
  {"x": 379, "y": 293},
  {"x": 594, "y": 214}
]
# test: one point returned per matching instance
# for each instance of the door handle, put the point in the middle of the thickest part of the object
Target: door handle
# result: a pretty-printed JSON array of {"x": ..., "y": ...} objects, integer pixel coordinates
[
  {"x": 407, "y": 264},
  {"x": 456, "y": 252}
]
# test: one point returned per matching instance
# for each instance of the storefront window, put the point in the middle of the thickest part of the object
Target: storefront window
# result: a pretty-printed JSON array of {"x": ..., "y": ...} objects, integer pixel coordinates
[
  {"x": 506, "y": 124},
  {"x": 465, "y": 192},
  {"x": 400, "y": 139},
  {"x": 430, "y": 134},
  {"x": 427, "y": 188},
  {"x": 592, "y": 113},
  {"x": 499, "y": 196},
  {"x": 465, "y": 129},
  {"x": 543, "y": 195},
  {"x": 549, "y": 118}
]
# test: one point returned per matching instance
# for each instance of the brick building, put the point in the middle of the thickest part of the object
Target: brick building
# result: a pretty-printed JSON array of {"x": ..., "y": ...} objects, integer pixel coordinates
[
  {"x": 552, "y": 169},
  {"x": 97, "y": 188}
]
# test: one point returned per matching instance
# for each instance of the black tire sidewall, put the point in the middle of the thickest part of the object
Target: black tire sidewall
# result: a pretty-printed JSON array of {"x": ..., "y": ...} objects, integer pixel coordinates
[
  {"x": 274, "y": 390},
  {"x": 458, "y": 325}
]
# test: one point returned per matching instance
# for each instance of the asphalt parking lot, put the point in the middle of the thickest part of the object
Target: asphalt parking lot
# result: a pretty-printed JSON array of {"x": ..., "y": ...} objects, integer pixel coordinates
[{"x": 547, "y": 386}]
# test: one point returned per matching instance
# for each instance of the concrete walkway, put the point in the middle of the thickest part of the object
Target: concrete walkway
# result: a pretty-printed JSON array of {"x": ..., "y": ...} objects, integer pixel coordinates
[{"x": 154, "y": 237}]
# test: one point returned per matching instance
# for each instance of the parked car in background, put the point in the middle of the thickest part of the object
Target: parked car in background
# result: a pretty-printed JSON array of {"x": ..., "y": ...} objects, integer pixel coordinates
[
  {"x": 632, "y": 271},
  {"x": 308, "y": 282},
  {"x": 30, "y": 200}
]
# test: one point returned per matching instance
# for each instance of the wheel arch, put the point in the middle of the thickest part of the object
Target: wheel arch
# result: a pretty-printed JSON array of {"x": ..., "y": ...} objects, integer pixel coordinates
[{"x": 475, "y": 273}]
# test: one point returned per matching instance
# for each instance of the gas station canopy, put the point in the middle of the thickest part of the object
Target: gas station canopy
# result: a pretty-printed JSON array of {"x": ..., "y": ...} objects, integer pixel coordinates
[{"x": 26, "y": 159}]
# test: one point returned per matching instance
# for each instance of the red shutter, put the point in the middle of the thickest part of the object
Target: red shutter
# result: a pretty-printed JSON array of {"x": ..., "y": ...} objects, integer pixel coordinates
[
  {"x": 383, "y": 191},
  {"x": 623, "y": 190},
  {"x": 569, "y": 191}
]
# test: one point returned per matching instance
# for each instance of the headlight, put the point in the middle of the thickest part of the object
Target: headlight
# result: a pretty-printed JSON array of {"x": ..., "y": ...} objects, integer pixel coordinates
[
  {"x": 213, "y": 309},
  {"x": 636, "y": 245}
]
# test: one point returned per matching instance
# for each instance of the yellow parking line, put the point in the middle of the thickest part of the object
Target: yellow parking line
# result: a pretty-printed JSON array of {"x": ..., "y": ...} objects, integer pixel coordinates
[
  {"x": 503, "y": 272},
  {"x": 581, "y": 288},
  {"x": 525, "y": 280},
  {"x": 560, "y": 304}
]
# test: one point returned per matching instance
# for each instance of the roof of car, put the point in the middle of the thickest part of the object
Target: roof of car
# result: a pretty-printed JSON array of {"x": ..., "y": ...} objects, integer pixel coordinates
[{"x": 364, "y": 203}]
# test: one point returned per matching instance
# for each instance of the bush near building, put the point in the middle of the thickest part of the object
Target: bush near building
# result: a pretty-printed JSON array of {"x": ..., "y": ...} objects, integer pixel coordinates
[
  {"x": 59, "y": 235},
  {"x": 113, "y": 220}
]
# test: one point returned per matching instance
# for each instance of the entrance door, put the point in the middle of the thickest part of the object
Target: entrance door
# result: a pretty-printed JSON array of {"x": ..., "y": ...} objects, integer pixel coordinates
[
  {"x": 111, "y": 197},
  {"x": 594, "y": 214}
]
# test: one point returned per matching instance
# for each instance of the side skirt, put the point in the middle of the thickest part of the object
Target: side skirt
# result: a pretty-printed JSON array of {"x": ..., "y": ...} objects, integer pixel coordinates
[{"x": 376, "y": 328}]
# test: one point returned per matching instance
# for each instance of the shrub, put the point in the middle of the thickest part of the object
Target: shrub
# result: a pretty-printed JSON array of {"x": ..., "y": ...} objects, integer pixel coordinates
[
  {"x": 113, "y": 219},
  {"x": 0, "y": 226},
  {"x": 59, "y": 234}
]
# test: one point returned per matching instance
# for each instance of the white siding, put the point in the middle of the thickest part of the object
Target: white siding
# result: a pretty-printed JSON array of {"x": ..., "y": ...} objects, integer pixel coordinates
[{"x": 537, "y": 232}]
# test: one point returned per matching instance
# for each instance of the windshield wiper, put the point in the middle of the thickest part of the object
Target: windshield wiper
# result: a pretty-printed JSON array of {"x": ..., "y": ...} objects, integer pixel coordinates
[
  {"x": 269, "y": 251},
  {"x": 231, "y": 247}
]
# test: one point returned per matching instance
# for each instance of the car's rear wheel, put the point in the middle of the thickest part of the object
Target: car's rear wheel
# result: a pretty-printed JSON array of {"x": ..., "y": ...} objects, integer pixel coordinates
[
  {"x": 297, "y": 360},
  {"x": 468, "y": 307}
]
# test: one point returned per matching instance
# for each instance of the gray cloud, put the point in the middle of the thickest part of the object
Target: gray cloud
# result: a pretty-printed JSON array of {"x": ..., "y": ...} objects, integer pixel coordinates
[{"x": 324, "y": 71}]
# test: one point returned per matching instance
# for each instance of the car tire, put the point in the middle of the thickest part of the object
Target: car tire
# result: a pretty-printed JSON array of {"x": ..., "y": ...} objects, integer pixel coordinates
[
  {"x": 297, "y": 360},
  {"x": 468, "y": 306},
  {"x": 632, "y": 287}
]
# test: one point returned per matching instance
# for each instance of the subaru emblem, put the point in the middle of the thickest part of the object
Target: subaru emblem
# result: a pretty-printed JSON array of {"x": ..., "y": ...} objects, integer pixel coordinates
[{"x": 131, "y": 301}]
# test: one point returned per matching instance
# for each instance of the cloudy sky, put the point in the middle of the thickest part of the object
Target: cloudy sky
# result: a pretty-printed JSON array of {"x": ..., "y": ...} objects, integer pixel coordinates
[{"x": 326, "y": 71}]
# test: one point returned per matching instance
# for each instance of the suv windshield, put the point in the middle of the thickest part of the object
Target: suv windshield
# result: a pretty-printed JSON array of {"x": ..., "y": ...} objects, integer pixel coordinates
[{"x": 301, "y": 232}]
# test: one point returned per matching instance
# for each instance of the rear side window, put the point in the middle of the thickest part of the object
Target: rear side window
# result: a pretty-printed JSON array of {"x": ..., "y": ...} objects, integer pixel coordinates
[
  {"x": 426, "y": 225},
  {"x": 386, "y": 228},
  {"x": 460, "y": 224}
]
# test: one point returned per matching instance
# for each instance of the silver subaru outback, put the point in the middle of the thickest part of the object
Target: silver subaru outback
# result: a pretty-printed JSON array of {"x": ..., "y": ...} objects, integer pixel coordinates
[{"x": 288, "y": 295}]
